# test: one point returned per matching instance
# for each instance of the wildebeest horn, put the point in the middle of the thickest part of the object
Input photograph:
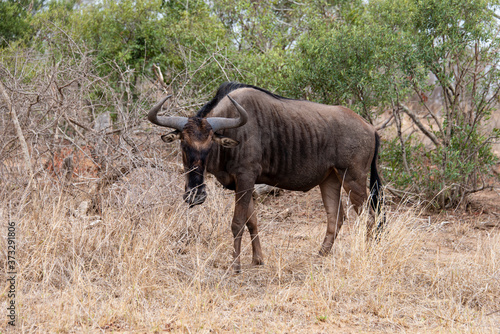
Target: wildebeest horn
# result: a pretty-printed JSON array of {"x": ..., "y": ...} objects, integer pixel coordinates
[
  {"x": 220, "y": 123},
  {"x": 174, "y": 122}
]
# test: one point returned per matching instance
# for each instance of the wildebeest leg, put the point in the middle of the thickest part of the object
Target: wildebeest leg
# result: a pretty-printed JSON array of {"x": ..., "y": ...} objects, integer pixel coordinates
[
  {"x": 356, "y": 188},
  {"x": 330, "y": 192},
  {"x": 257, "y": 257},
  {"x": 243, "y": 198}
]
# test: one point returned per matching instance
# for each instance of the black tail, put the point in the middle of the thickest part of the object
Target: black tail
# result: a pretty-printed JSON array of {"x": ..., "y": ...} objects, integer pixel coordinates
[{"x": 375, "y": 183}]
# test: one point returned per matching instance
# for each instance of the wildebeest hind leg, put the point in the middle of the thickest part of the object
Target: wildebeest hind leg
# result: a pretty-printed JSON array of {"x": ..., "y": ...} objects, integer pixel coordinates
[
  {"x": 330, "y": 192},
  {"x": 358, "y": 196},
  {"x": 257, "y": 257}
]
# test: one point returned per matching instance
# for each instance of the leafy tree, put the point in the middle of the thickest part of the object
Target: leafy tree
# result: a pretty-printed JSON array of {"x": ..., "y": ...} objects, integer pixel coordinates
[
  {"x": 458, "y": 42},
  {"x": 266, "y": 33},
  {"x": 182, "y": 38},
  {"x": 14, "y": 19},
  {"x": 377, "y": 55}
]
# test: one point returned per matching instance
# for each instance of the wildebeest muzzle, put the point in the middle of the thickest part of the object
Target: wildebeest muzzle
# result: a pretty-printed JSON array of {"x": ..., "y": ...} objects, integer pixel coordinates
[{"x": 195, "y": 196}]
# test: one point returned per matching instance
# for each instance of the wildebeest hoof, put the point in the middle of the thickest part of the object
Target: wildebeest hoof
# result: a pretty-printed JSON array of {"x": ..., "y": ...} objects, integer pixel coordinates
[
  {"x": 323, "y": 252},
  {"x": 257, "y": 262},
  {"x": 236, "y": 269}
]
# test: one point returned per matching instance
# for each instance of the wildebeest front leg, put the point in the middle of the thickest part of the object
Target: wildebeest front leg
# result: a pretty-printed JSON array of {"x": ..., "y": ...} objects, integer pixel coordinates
[
  {"x": 330, "y": 192},
  {"x": 243, "y": 199},
  {"x": 257, "y": 257}
]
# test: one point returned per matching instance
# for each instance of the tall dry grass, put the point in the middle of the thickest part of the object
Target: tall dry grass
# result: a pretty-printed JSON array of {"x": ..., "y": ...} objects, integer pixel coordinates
[{"x": 150, "y": 264}]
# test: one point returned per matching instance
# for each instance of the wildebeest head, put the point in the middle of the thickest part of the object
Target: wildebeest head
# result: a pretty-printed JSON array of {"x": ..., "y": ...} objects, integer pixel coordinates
[{"x": 197, "y": 136}]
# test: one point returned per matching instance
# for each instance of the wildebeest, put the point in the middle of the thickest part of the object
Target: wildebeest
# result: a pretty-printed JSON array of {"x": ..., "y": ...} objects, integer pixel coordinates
[{"x": 254, "y": 136}]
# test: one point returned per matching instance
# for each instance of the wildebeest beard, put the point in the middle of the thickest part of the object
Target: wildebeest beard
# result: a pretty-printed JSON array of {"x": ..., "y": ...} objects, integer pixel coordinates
[
  {"x": 195, "y": 193},
  {"x": 195, "y": 196}
]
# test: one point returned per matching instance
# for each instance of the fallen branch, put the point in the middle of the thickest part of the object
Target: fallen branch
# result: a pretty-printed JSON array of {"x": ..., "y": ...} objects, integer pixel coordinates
[{"x": 19, "y": 131}]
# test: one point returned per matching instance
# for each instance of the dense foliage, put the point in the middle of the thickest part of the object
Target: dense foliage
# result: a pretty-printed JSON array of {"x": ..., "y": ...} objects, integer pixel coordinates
[{"x": 378, "y": 56}]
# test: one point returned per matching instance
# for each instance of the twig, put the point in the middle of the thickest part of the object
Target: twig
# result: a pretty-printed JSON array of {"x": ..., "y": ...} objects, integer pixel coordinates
[
  {"x": 385, "y": 124},
  {"x": 400, "y": 193},
  {"x": 80, "y": 125},
  {"x": 491, "y": 313}
]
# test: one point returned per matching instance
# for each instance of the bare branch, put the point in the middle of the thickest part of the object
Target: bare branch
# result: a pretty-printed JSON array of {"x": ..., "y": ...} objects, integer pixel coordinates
[
  {"x": 417, "y": 91},
  {"x": 159, "y": 76},
  {"x": 397, "y": 118},
  {"x": 386, "y": 123},
  {"x": 419, "y": 124}
]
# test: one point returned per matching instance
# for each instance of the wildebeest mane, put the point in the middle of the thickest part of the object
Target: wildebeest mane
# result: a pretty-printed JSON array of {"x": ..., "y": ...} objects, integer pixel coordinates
[{"x": 226, "y": 88}]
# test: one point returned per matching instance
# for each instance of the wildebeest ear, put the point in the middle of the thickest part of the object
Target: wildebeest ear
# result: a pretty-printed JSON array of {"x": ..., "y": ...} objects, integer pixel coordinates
[
  {"x": 225, "y": 141},
  {"x": 171, "y": 136}
]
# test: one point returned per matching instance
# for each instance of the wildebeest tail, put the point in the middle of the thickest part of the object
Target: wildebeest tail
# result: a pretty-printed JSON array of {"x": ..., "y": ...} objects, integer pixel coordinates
[{"x": 375, "y": 183}]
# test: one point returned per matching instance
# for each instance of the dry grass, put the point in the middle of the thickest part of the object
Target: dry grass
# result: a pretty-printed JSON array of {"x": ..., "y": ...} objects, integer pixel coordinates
[{"x": 153, "y": 265}]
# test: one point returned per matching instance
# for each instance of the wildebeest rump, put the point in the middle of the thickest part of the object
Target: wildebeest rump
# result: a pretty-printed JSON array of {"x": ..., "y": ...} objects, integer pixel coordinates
[{"x": 247, "y": 135}]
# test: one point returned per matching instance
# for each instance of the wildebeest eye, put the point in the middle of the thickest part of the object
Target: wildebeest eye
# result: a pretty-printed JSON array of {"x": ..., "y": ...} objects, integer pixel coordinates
[
  {"x": 171, "y": 136},
  {"x": 225, "y": 141}
]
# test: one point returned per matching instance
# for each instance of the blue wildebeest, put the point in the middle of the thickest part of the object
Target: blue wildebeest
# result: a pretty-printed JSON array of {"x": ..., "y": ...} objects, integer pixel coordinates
[{"x": 254, "y": 136}]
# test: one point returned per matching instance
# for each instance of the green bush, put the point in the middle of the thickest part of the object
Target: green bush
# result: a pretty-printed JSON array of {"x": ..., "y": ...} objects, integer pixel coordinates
[{"x": 372, "y": 60}]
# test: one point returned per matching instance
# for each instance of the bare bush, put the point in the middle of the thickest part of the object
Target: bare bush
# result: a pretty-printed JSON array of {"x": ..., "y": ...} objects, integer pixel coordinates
[{"x": 81, "y": 131}]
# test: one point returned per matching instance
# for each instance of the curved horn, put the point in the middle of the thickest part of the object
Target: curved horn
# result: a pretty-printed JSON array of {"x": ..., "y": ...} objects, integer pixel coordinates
[
  {"x": 220, "y": 123},
  {"x": 174, "y": 122}
]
